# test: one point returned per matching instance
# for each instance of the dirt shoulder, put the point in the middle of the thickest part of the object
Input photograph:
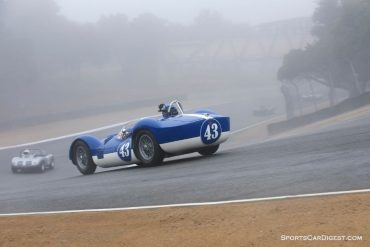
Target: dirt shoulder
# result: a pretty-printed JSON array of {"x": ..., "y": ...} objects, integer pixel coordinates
[{"x": 245, "y": 224}]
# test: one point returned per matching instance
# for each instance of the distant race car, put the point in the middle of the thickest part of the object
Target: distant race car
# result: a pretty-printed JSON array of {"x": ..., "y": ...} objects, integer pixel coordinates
[
  {"x": 312, "y": 97},
  {"x": 32, "y": 160},
  {"x": 148, "y": 141},
  {"x": 264, "y": 111}
]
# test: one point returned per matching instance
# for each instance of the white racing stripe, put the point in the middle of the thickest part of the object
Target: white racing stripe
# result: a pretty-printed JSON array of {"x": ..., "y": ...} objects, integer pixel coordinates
[
  {"x": 194, "y": 204},
  {"x": 196, "y": 142},
  {"x": 197, "y": 115}
]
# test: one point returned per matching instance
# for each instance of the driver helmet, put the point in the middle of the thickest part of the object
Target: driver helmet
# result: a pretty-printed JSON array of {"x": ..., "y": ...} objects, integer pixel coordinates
[
  {"x": 173, "y": 111},
  {"x": 165, "y": 113}
]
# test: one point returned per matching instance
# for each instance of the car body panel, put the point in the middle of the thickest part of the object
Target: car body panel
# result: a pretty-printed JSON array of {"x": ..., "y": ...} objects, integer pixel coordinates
[
  {"x": 186, "y": 145},
  {"x": 175, "y": 135}
]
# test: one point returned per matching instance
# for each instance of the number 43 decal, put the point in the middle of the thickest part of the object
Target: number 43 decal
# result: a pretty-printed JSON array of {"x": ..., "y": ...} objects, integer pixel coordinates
[
  {"x": 210, "y": 131},
  {"x": 124, "y": 151}
]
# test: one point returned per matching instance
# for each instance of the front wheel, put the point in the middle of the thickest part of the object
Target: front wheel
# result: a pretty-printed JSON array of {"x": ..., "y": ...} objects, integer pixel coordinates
[
  {"x": 82, "y": 158},
  {"x": 42, "y": 168},
  {"x": 209, "y": 150},
  {"x": 147, "y": 149},
  {"x": 52, "y": 165}
]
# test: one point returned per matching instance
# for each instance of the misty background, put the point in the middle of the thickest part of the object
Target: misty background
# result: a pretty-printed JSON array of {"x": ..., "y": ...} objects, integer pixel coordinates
[
  {"x": 58, "y": 57},
  {"x": 177, "y": 11}
]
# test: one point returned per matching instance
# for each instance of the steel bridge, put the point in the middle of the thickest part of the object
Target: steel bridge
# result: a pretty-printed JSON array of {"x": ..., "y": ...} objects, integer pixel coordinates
[{"x": 258, "y": 47}]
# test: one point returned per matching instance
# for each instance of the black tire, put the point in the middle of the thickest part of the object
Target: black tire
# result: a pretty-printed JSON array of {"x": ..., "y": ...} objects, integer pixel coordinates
[
  {"x": 147, "y": 149},
  {"x": 14, "y": 170},
  {"x": 209, "y": 150},
  {"x": 52, "y": 165},
  {"x": 42, "y": 168},
  {"x": 82, "y": 158}
]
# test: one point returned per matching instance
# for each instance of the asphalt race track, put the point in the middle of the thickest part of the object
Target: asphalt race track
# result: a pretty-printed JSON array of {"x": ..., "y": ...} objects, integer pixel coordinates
[{"x": 332, "y": 159}]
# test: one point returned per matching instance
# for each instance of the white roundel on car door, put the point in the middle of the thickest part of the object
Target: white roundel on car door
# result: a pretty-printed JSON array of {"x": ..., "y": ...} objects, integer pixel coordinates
[
  {"x": 210, "y": 131},
  {"x": 124, "y": 150}
]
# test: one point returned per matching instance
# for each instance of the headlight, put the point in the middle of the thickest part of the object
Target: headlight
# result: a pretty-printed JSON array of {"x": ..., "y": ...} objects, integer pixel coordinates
[{"x": 124, "y": 133}]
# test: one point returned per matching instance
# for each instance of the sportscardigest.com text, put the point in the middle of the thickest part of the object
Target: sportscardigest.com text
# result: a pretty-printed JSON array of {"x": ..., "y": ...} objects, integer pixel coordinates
[{"x": 323, "y": 237}]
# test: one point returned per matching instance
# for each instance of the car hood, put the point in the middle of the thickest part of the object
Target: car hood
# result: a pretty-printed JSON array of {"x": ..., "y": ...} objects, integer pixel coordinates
[{"x": 17, "y": 159}]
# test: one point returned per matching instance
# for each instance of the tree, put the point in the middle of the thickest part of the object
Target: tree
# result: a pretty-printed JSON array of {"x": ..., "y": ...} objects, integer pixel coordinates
[
  {"x": 325, "y": 17},
  {"x": 340, "y": 55}
]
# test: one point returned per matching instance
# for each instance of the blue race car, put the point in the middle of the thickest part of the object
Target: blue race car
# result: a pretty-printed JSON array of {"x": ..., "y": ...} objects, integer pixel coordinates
[{"x": 148, "y": 141}]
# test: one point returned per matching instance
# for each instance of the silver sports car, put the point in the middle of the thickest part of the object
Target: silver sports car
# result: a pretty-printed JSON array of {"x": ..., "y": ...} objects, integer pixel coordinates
[{"x": 32, "y": 159}]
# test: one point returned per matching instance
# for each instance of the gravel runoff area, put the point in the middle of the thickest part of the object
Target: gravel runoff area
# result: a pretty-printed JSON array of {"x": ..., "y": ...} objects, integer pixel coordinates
[{"x": 341, "y": 220}]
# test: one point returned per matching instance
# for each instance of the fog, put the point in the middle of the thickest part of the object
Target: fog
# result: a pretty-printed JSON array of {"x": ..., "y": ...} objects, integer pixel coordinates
[
  {"x": 64, "y": 59},
  {"x": 250, "y": 11},
  {"x": 93, "y": 61}
]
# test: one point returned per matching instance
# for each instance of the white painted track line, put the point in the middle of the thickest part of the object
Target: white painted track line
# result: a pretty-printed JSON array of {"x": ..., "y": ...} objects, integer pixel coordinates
[
  {"x": 193, "y": 204},
  {"x": 105, "y": 128},
  {"x": 62, "y": 137},
  {"x": 253, "y": 125},
  {"x": 71, "y": 135}
]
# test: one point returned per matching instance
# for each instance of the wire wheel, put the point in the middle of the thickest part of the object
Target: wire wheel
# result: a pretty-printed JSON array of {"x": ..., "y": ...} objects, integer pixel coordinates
[
  {"x": 81, "y": 157},
  {"x": 146, "y": 147}
]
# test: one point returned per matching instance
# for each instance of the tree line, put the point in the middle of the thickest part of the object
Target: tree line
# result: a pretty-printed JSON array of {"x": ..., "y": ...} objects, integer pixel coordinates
[
  {"x": 37, "y": 43},
  {"x": 340, "y": 55},
  {"x": 45, "y": 57}
]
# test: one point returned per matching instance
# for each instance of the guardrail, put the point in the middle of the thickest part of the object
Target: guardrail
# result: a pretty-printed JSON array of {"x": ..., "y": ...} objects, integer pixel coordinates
[{"x": 343, "y": 107}]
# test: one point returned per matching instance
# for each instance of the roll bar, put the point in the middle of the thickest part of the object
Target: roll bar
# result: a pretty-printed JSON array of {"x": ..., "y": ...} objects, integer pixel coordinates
[{"x": 178, "y": 106}]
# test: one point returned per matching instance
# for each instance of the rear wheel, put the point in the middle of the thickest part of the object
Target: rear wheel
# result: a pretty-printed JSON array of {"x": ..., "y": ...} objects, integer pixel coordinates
[
  {"x": 209, "y": 150},
  {"x": 82, "y": 158},
  {"x": 14, "y": 170},
  {"x": 147, "y": 149}
]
